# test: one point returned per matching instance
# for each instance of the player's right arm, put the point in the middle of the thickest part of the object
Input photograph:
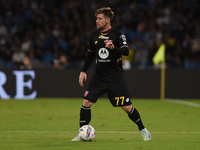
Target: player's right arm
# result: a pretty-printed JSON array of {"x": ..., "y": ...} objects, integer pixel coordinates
[
  {"x": 88, "y": 61},
  {"x": 82, "y": 76}
]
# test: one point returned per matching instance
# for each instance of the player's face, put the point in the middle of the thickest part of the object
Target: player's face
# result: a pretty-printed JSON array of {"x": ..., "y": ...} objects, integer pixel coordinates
[{"x": 102, "y": 21}]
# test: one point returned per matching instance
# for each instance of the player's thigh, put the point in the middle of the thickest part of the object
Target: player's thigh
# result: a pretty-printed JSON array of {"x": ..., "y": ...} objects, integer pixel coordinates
[
  {"x": 95, "y": 89},
  {"x": 118, "y": 93}
]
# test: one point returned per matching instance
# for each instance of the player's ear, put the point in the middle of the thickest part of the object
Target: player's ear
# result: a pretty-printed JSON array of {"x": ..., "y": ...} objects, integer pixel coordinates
[{"x": 107, "y": 20}]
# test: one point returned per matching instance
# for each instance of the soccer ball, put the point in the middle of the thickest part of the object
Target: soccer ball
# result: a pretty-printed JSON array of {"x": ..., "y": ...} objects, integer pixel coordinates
[{"x": 86, "y": 133}]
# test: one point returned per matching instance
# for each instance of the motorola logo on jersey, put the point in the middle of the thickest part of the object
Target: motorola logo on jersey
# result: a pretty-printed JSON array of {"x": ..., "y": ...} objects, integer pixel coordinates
[{"x": 103, "y": 53}]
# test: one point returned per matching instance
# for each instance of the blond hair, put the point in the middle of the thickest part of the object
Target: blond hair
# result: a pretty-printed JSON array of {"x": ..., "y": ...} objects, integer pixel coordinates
[{"x": 107, "y": 11}]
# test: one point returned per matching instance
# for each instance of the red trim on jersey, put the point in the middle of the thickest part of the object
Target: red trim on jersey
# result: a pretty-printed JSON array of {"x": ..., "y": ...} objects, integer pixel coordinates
[{"x": 106, "y": 32}]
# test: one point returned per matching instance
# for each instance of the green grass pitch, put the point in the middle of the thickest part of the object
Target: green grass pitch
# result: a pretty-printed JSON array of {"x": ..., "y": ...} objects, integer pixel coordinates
[{"x": 51, "y": 123}]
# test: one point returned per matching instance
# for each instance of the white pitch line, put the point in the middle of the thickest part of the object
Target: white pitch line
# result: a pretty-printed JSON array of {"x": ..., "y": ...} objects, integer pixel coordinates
[
  {"x": 123, "y": 132},
  {"x": 183, "y": 102},
  {"x": 139, "y": 132}
]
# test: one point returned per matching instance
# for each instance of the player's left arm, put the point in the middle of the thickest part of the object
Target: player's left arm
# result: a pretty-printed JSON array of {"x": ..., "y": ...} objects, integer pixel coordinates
[
  {"x": 122, "y": 50},
  {"x": 123, "y": 47}
]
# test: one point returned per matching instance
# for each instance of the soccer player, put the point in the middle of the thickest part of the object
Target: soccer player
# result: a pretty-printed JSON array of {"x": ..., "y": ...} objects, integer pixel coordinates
[{"x": 106, "y": 46}]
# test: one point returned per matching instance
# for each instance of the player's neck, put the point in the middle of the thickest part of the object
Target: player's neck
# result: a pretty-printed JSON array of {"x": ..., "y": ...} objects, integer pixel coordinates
[{"x": 107, "y": 28}]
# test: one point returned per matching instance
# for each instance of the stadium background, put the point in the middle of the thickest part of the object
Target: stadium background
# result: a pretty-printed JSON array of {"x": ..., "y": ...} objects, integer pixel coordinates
[{"x": 48, "y": 36}]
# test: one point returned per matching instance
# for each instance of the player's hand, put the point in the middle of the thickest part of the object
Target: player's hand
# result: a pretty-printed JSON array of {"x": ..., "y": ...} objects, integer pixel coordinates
[
  {"x": 109, "y": 44},
  {"x": 82, "y": 76}
]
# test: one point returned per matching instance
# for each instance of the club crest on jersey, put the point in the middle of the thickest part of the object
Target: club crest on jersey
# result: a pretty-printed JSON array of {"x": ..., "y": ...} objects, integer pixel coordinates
[
  {"x": 103, "y": 37},
  {"x": 103, "y": 53}
]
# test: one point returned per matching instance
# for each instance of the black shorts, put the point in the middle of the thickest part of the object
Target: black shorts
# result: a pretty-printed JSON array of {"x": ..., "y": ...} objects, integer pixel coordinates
[{"x": 116, "y": 90}]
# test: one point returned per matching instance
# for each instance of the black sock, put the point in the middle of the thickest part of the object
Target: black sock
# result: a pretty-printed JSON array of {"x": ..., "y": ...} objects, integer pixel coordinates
[
  {"x": 135, "y": 117},
  {"x": 85, "y": 115}
]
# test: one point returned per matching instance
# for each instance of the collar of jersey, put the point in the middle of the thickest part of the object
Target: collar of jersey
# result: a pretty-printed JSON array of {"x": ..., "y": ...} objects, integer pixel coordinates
[{"x": 105, "y": 33}]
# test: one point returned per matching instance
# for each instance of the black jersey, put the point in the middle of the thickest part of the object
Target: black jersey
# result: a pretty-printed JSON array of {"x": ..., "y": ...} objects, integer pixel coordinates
[{"x": 108, "y": 61}]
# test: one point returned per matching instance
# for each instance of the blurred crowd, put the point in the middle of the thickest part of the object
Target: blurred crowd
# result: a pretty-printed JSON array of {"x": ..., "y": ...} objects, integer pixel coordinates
[{"x": 53, "y": 34}]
